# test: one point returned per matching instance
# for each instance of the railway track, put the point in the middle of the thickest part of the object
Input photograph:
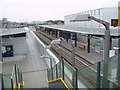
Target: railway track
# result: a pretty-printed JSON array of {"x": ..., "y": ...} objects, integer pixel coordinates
[
  {"x": 80, "y": 62},
  {"x": 89, "y": 77}
]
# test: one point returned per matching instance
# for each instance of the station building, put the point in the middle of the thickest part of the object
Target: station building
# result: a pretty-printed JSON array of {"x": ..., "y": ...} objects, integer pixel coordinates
[
  {"x": 109, "y": 14},
  {"x": 13, "y": 42}
]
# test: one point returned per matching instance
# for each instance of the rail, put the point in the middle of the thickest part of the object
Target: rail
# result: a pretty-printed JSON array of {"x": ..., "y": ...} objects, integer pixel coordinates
[
  {"x": 87, "y": 77},
  {"x": 13, "y": 82},
  {"x": 80, "y": 61},
  {"x": 17, "y": 77}
]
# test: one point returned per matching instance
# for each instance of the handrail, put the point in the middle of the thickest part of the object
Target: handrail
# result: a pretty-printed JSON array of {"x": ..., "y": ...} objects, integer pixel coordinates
[
  {"x": 17, "y": 77},
  {"x": 61, "y": 80},
  {"x": 88, "y": 75},
  {"x": 60, "y": 71},
  {"x": 5, "y": 79}
]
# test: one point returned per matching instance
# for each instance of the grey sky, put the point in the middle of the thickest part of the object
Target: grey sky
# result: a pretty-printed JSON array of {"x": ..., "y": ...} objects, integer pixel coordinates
[{"x": 35, "y": 10}]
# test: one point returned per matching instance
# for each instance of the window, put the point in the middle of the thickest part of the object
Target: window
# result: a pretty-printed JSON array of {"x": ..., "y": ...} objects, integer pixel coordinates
[{"x": 114, "y": 22}]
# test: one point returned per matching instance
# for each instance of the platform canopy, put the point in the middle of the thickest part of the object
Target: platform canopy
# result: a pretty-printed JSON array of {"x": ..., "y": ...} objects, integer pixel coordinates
[
  {"x": 114, "y": 33},
  {"x": 12, "y": 31}
]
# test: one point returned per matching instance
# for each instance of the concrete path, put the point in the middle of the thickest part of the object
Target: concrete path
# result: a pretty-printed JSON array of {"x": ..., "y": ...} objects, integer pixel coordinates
[{"x": 34, "y": 69}]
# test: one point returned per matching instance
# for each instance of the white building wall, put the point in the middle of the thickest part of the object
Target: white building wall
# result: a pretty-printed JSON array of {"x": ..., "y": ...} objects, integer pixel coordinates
[
  {"x": 103, "y": 13},
  {"x": 19, "y": 44}
]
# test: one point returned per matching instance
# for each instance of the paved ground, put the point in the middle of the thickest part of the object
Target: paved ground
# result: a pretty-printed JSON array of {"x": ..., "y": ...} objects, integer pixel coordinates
[{"x": 33, "y": 68}]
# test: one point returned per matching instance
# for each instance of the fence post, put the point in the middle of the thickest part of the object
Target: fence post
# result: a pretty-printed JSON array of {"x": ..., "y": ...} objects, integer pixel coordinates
[
  {"x": 63, "y": 69},
  {"x": 2, "y": 82},
  {"x": 12, "y": 84},
  {"x": 56, "y": 72},
  {"x": 16, "y": 75},
  {"x": 98, "y": 76},
  {"x": 76, "y": 80}
]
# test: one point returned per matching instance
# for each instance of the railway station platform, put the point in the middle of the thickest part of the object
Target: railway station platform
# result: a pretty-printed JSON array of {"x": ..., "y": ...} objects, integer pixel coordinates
[
  {"x": 37, "y": 75},
  {"x": 33, "y": 68},
  {"x": 82, "y": 57}
]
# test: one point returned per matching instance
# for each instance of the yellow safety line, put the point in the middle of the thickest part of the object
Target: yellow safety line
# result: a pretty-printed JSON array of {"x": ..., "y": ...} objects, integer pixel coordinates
[
  {"x": 14, "y": 86},
  {"x": 47, "y": 80},
  {"x": 22, "y": 83},
  {"x": 58, "y": 79},
  {"x": 52, "y": 80},
  {"x": 69, "y": 83},
  {"x": 65, "y": 84},
  {"x": 18, "y": 85}
]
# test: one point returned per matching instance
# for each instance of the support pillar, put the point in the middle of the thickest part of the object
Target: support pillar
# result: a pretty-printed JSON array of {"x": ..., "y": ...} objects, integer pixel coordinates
[
  {"x": 110, "y": 43},
  {"x": 105, "y": 83},
  {"x": 52, "y": 32},
  {"x": 98, "y": 76},
  {"x": 56, "y": 34},
  {"x": 49, "y": 31},
  {"x": 106, "y": 45},
  {"x": 67, "y": 36},
  {"x": 73, "y": 55},
  {"x": 88, "y": 44},
  {"x": 75, "y": 39},
  {"x": 59, "y": 33}
]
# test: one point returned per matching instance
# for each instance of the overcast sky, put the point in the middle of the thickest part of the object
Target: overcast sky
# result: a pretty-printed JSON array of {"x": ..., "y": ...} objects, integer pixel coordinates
[{"x": 35, "y": 10}]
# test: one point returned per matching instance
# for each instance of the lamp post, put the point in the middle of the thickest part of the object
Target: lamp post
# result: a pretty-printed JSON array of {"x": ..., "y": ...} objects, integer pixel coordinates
[{"x": 87, "y": 17}]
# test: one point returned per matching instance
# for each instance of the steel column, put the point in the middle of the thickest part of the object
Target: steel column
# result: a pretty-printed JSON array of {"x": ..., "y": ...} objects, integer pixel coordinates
[
  {"x": 56, "y": 71},
  {"x": 56, "y": 34},
  {"x": 52, "y": 32},
  {"x": 75, "y": 39},
  {"x": 67, "y": 36},
  {"x": 63, "y": 69},
  {"x": 73, "y": 55},
  {"x": 106, "y": 45},
  {"x": 49, "y": 31},
  {"x": 110, "y": 43},
  {"x": 88, "y": 44},
  {"x": 98, "y": 76},
  {"x": 12, "y": 84},
  {"x": 105, "y": 57}
]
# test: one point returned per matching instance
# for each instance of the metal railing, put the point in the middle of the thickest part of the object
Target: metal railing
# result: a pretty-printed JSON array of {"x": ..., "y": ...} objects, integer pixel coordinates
[
  {"x": 65, "y": 71},
  {"x": 100, "y": 75},
  {"x": 15, "y": 82},
  {"x": 6, "y": 82},
  {"x": 17, "y": 77}
]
